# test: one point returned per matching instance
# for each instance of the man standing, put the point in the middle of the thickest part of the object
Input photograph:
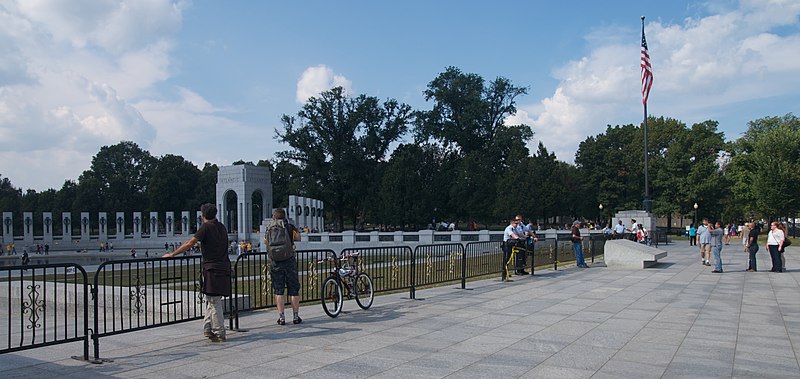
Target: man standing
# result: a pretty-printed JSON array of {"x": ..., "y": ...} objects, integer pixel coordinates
[
  {"x": 705, "y": 242},
  {"x": 634, "y": 230},
  {"x": 216, "y": 267},
  {"x": 577, "y": 244},
  {"x": 521, "y": 258},
  {"x": 717, "y": 233},
  {"x": 510, "y": 238},
  {"x": 619, "y": 230},
  {"x": 284, "y": 273},
  {"x": 750, "y": 233}
]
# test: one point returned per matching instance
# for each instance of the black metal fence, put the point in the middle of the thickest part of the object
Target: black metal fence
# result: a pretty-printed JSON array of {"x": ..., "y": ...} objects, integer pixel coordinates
[
  {"x": 45, "y": 305},
  {"x": 48, "y": 304},
  {"x": 136, "y": 294}
]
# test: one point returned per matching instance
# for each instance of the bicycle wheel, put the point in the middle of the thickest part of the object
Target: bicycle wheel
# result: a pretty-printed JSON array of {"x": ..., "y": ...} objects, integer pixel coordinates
[
  {"x": 365, "y": 293},
  {"x": 332, "y": 296}
]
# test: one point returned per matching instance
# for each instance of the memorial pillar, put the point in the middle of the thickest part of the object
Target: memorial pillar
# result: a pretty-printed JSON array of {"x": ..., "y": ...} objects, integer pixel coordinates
[
  {"x": 85, "y": 224},
  {"x": 137, "y": 226},
  {"x": 66, "y": 228},
  {"x": 27, "y": 228},
  {"x": 102, "y": 222},
  {"x": 120, "y": 222},
  {"x": 199, "y": 220},
  {"x": 184, "y": 223},
  {"x": 153, "y": 224},
  {"x": 8, "y": 228},
  {"x": 170, "y": 224},
  {"x": 47, "y": 223}
]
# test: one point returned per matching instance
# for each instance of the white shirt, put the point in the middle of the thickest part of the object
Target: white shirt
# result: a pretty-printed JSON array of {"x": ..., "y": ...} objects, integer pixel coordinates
[{"x": 775, "y": 237}]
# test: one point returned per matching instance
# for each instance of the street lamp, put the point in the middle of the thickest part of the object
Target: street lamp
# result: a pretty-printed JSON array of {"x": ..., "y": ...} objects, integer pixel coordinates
[
  {"x": 695, "y": 214},
  {"x": 601, "y": 212}
]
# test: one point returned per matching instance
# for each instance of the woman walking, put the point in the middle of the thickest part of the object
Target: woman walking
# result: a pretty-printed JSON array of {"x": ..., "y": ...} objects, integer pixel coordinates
[{"x": 775, "y": 245}]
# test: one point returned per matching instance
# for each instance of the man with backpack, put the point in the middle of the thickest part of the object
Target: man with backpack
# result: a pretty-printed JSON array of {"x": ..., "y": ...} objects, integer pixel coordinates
[{"x": 279, "y": 243}]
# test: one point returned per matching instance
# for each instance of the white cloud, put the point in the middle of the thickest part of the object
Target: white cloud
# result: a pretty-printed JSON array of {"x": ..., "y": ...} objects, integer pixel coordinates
[
  {"x": 318, "y": 79},
  {"x": 76, "y": 70},
  {"x": 705, "y": 62}
]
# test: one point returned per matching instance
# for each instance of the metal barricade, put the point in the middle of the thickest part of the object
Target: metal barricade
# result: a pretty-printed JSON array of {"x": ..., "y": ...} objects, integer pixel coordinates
[
  {"x": 46, "y": 305},
  {"x": 136, "y": 294},
  {"x": 252, "y": 281}
]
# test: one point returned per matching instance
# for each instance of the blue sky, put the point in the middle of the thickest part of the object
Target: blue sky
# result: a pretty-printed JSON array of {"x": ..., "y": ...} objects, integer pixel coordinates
[{"x": 209, "y": 80}]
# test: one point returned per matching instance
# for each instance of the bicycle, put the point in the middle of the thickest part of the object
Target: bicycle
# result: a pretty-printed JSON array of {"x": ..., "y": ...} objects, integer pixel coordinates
[
  {"x": 344, "y": 280},
  {"x": 520, "y": 246}
]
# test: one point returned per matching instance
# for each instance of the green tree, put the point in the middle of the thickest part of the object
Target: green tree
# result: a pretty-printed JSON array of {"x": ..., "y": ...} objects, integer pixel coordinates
[
  {"x": 409, "y": 195},
  {"x": 287, "y": 179},
  {"x": 173, "y": 184},
  {"x": 467, "y": 122},
  {"x": 121, "y": 173},
  {"x": 206, "y": 187},
  {"x": 338, "y": 142}
]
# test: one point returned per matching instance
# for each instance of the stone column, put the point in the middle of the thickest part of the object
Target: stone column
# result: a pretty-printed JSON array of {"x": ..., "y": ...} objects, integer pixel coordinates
[
  {"x": 138, "y": 222},
  {"x": 240, "y": 220},
  {"x": 66, "y": 228},
  {"x": 8, "y": 228},
  {"x": 85, "y": 227},
  {"x": 199, "y": 220},
  {"x": 291, "y": 210},
  {"x": 27, "y": 228},
  {"x": 426, "y": 237},
  {"x": 102, "y": 223},
  {"x": 170, "y": 224},
  {"x": 185, "y": 223},
  {"x": 119, "y": 221},
  {"x": 153, "y": 224},
  {"x": 47, "y": 223}
]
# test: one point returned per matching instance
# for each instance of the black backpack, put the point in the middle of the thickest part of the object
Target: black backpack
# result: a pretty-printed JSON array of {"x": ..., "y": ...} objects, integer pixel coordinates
[{"x": 279, "y": 242}]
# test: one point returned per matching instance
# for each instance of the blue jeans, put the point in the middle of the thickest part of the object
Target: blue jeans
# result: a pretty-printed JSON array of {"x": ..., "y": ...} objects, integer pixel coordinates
[
  {"x": 716, "y": 251},
  {"x": 753, "y": 249},
  {"x": 578, "y": 246}
]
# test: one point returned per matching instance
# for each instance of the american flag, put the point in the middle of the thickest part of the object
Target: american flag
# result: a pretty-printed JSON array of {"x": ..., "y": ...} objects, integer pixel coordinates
[{"x": 647, "y": 71}]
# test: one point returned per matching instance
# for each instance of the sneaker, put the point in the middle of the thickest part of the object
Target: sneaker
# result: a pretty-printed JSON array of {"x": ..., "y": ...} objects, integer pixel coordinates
[
  {"x": 717, "y": 271},
  {"x": 750, "y": 270},
  {"x": 708, "y": 264},
  {"x": 208, "y": 333},
  {"x": 215, "y": 338},
  {"x": 297, "y": 320},
  {"x": 281, "y": 321}
]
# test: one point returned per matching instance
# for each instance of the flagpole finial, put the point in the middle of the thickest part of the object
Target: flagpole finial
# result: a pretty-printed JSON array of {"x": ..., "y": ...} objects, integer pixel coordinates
[{"x": 642, "y": 18}]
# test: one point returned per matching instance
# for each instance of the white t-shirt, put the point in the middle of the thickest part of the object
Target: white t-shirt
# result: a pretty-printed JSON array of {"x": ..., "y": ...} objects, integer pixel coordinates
[{"x": 775, "y": 237}]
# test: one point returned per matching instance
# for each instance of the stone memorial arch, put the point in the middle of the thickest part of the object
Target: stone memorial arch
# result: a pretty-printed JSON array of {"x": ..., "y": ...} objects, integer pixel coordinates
[{"x": 243, "y": 191}]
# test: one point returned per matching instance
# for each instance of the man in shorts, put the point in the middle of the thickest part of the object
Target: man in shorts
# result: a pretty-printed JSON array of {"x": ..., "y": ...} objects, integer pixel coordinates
[
  {"x": 704, "y": 237},
  {"x": 284, "y": 274}
]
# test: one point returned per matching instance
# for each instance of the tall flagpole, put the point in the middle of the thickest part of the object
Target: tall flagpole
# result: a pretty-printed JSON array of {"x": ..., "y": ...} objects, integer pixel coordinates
[{"x": 648, "y": 204}]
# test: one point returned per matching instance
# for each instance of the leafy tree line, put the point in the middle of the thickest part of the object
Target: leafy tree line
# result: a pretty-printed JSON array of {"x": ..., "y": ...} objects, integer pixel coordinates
[{"x": 381, "y": 162}]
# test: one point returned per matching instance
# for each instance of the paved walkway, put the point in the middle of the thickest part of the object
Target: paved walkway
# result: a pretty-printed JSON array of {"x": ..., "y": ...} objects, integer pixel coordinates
[{"x": 675, "y": 320}]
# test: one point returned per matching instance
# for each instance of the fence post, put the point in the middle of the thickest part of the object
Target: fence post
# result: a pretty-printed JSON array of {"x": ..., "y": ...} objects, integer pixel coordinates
[
  {"x": 463, "y": 267},
  {"x": 95, "y": 331},
  {"x": 555, "y": 257},
  {"x": 412, "y": 282}
]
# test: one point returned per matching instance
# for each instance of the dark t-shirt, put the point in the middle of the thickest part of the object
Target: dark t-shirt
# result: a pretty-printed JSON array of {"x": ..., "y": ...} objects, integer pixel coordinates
[
  {"x": 577, "y": 234},
  {"x": 214, "y": 239},
  {"x": 753, "y": 236}
]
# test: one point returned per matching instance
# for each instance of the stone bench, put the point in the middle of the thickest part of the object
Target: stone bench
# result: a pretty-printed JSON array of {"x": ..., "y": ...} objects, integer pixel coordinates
[{"x": 624, "y": 254}]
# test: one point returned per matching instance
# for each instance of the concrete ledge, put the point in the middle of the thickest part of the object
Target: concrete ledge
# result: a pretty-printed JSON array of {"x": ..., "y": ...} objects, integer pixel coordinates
[{"x": 624, "y": 254}]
